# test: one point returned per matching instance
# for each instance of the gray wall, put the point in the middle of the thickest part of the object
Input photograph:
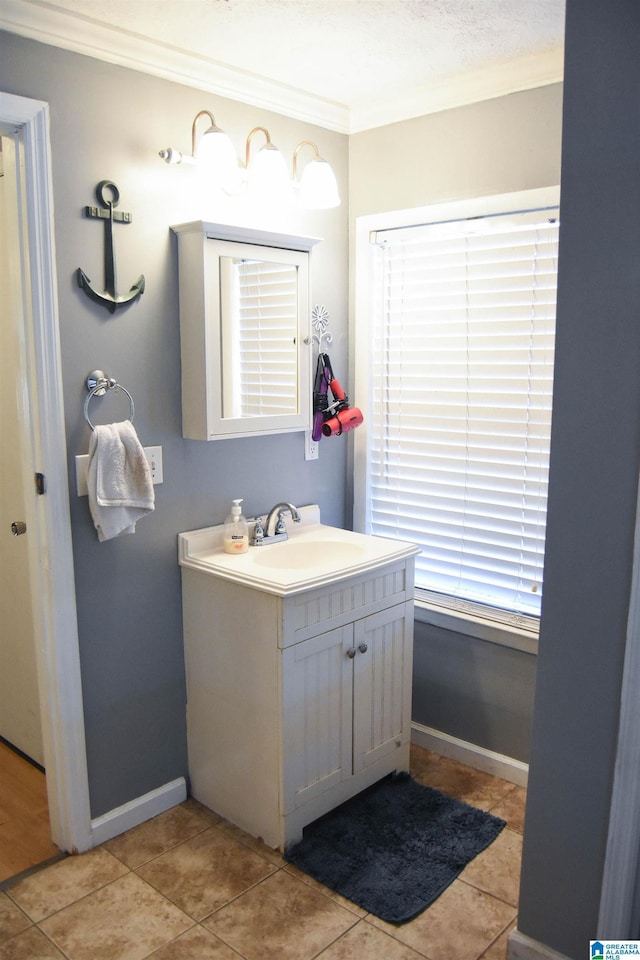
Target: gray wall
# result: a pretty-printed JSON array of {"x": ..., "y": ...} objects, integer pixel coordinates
[
  {"x": 495, "y": 146},
  {"x": 475, "y": 690},
  {"x": 108, "y": 122},
  {"x": 469, "y": 688},
  {"x": 594, "y": 477}
]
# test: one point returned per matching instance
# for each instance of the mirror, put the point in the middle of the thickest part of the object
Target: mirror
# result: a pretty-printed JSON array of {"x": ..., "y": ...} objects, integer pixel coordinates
[
  {"x": 259, "y": 314},
  {"x": 244, "y": 331}
]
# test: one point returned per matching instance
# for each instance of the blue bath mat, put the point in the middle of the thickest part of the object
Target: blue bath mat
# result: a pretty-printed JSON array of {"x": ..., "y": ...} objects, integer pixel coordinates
[{"x": 394, "y": 848}]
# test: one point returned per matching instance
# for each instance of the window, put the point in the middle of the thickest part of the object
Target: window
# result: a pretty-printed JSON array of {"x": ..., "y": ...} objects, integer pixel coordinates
[{"x": 461, "y": 318}]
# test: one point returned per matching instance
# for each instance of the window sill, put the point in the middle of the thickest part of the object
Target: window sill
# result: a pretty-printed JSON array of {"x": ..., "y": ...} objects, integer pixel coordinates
[{"x": 477, "y": 627}]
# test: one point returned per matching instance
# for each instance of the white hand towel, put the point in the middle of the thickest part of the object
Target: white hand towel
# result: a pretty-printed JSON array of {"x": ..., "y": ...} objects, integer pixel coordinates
[{"x": 119, "y": 480}]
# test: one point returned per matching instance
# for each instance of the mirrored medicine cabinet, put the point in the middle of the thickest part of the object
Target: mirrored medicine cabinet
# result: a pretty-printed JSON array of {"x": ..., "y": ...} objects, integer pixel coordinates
[{"x": 244, "y": 331}]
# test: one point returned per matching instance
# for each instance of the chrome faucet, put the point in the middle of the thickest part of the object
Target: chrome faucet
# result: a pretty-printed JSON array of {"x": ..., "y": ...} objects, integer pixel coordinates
[
  {"x": 275, "y": 528},
  {"x": 277, "y": 514}
]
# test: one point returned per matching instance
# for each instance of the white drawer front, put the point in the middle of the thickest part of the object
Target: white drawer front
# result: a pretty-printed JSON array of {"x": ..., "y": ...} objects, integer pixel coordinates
[{"x": 336, "y": 604}]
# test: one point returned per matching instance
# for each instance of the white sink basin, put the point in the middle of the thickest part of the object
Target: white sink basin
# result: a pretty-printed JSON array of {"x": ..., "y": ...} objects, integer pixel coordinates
[
  {"x": 314, "y": 554},
  {"x": 305, "y": 553}
]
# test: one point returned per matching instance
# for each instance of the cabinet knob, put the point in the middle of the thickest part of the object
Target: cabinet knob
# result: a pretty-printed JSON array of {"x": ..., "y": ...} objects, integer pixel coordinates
[
  {"x": 363, "y": 648},
  {"x": 351, "y": 653}
]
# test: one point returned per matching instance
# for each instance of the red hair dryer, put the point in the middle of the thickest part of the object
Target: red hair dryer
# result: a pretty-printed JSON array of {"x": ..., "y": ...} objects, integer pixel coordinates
[
  {"x": 331, "y": 419},
  {"x": 347, "y": 419},
  {"x": 340, "y": 417}
]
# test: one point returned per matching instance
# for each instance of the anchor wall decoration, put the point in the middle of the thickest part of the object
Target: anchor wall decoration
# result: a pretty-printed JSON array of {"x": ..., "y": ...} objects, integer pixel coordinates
[{"x": 109, "y": 298}]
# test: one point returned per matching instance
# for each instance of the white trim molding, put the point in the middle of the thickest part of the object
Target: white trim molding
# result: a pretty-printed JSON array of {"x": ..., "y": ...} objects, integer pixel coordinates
[
  {"x": 497, "y": 764},
  {"x": 58, "y": 655},
  {"x": 470, "y": 625},
  {"x": 135, "y": 812},
  {"x": 522, "y": 947},
  {"x": 62, "y": 28},
  {"x": 89, "y": 37},
  {"x": 525, "y": 73}
]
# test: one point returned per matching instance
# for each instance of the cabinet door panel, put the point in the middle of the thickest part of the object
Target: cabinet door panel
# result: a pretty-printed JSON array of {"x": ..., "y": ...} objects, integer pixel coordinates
[
  {"x": 382, "y": 685},
  {"x": 317, "y": 709}
]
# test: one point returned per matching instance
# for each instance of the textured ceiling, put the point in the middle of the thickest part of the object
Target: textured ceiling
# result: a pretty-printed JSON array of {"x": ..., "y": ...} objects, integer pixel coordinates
[{"x": 371, "y": 60}]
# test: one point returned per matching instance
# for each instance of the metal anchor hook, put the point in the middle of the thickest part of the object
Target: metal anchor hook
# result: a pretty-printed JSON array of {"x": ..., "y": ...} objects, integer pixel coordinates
[{"x": 109, "y": 298}]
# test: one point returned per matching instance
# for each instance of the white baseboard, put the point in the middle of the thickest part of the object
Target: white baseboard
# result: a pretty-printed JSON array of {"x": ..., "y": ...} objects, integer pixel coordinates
[
  {"x": 522, "y": 947},
  {"x": 143, "y": 808},
  {"x": 497, "y": 764}
]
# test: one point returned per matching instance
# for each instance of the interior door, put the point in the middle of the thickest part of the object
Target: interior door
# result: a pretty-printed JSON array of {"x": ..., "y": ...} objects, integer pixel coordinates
[{"x": 20, "y": 721}]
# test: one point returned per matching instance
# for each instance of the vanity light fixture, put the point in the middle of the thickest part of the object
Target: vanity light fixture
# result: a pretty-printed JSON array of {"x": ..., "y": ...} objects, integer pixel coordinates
[
  {"x": 266, "y": 170},
  {"x": 264, "y": 173},
  {"x": 214, "y": 151},
  {"x": 317, "y": 187}
]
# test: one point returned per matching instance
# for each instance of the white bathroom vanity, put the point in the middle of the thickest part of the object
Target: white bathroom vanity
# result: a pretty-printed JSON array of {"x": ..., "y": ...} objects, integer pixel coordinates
[{"x": 298, "y": 660}]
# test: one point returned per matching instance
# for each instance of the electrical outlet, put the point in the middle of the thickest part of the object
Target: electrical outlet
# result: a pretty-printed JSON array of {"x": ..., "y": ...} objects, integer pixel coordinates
[{"x": 310, "y": 446}]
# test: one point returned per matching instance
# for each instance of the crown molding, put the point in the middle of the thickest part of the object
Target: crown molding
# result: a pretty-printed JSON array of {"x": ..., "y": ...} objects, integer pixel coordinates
[
  {"x": 93, "y": 39},
  {"x": 59, "y": 28},
  {"x": 526, "y": 73}
]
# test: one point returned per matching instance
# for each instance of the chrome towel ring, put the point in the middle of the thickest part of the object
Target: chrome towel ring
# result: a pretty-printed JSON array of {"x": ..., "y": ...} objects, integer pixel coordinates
[{"x": 97, "y": 384}]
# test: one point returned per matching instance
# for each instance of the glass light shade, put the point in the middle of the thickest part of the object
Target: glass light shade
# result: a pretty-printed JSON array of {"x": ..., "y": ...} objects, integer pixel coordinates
[
  {"x": 318, "y": 186},
  {"x": 215, "y": 155},
  {"x": 268, "y": 173}
]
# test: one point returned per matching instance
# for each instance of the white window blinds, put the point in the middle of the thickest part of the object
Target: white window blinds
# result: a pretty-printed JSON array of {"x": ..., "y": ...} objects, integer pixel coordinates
[
  {"x": 458, "y": 445},
  {"x": 265, "y": 352}
]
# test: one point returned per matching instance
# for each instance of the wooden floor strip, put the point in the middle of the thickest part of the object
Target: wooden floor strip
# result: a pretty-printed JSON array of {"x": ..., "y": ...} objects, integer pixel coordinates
[{"x": 25, "y": 834}]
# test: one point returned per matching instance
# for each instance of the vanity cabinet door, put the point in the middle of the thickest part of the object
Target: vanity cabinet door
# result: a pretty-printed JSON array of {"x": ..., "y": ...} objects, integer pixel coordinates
[
  {"x": 382, "y": 684},
  {"x": 317, "y": 709},
  {"x": 346, "y": 702}
]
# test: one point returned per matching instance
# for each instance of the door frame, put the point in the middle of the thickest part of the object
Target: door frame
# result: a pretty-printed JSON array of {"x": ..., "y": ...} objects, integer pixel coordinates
[
  {"x": 51, "y": 556},
  {"x": 619, "y": 916}
]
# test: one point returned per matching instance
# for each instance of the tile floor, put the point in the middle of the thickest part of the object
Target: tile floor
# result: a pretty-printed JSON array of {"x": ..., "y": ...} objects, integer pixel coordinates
[{"x": 189, "y": 886}]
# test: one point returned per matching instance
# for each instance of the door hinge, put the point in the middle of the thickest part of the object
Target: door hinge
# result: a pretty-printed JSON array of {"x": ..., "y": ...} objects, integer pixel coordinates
[{"x": 41, "y": 484}]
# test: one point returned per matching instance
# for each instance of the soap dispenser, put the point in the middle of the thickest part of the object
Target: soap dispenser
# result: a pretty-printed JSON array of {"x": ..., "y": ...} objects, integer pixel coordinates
[{"x": 236, "y": 531}]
